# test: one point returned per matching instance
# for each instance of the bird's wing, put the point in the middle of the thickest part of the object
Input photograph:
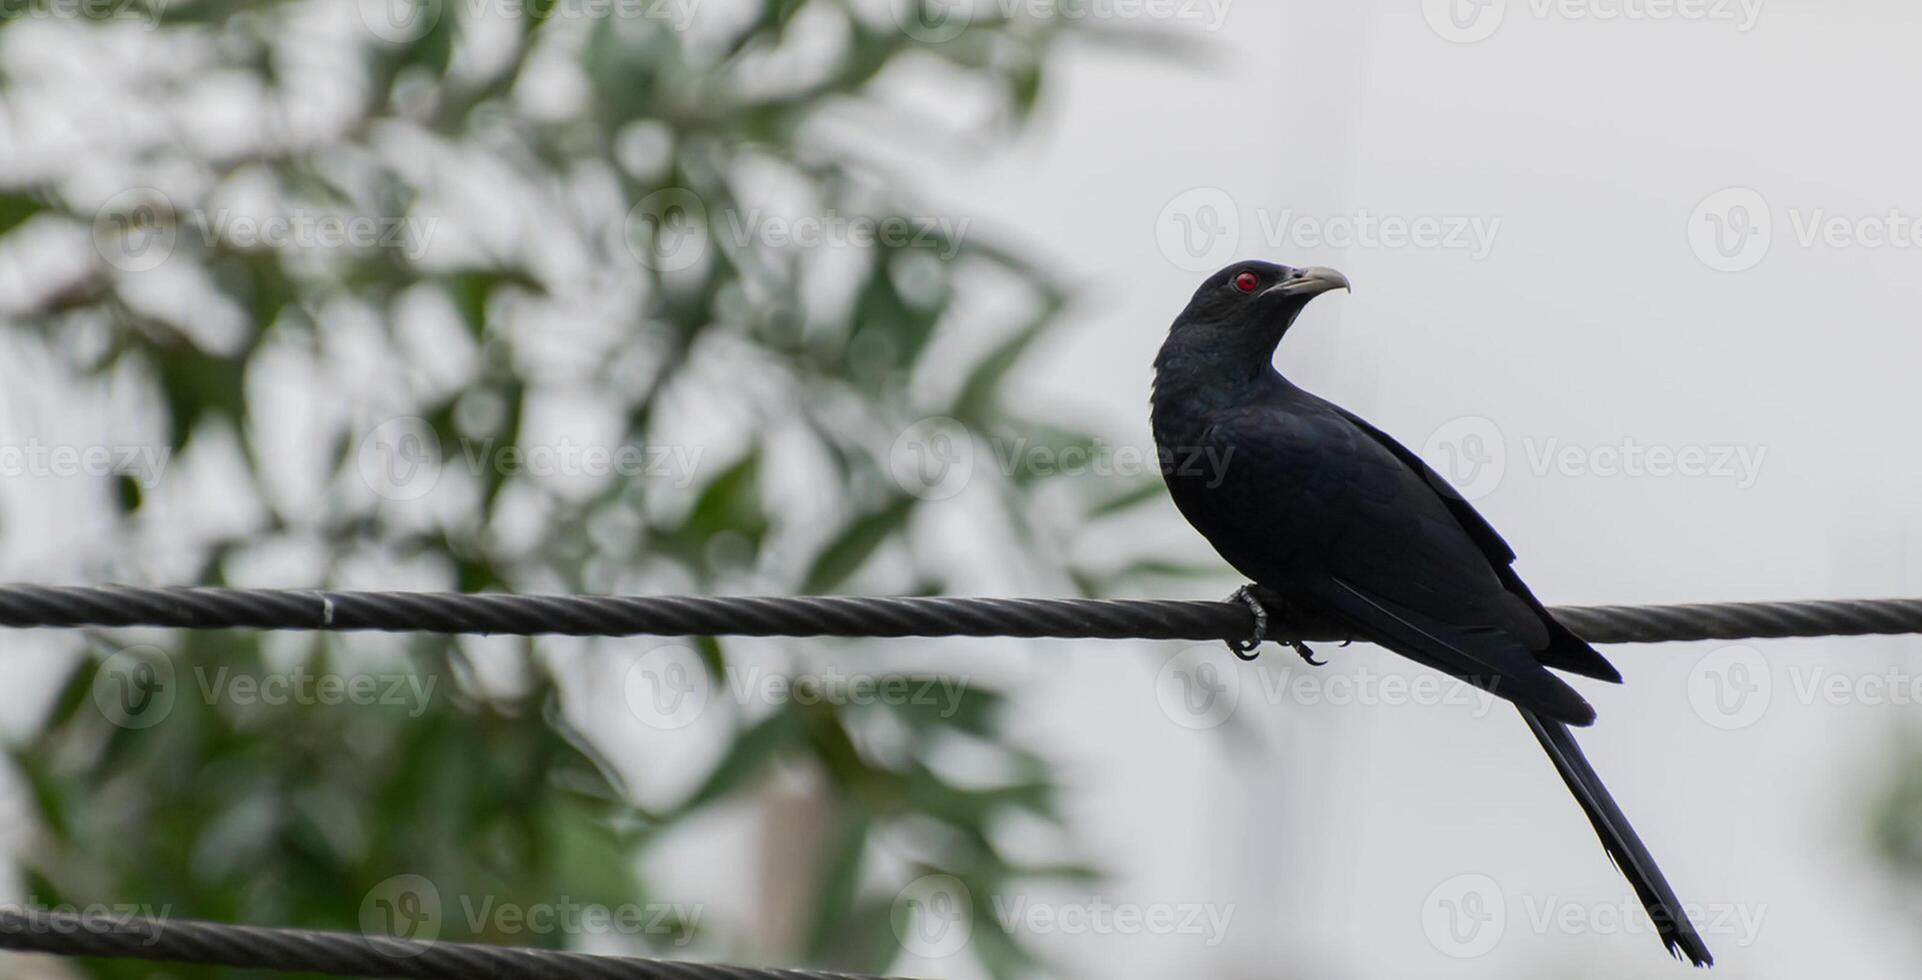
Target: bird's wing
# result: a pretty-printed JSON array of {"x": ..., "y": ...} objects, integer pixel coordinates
[
  {"x": 1565, "y": 650},
  {"x": 1486, "y": 656},
  {"x": 1395, "y": 563}
]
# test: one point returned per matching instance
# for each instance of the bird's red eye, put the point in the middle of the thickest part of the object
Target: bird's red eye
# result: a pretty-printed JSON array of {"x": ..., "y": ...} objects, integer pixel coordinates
[{"x": 1247, "y": 281}]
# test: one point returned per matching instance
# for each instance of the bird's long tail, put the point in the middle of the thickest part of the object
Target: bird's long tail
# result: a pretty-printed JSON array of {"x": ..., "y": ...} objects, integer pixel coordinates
[{"x": 1619, "y": 839}]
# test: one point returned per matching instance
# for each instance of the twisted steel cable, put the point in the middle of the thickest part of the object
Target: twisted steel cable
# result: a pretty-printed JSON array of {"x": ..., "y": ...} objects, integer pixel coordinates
[
  {"x": 493, "y": 613},
  {"x": 336, "y": 953},
  {"x": 342, "y": 954}
]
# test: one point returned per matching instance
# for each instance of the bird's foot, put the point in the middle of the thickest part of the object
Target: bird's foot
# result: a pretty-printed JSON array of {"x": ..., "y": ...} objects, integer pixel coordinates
[
  {"x": 1307, "y": 654},
  {"x": 1250, "y": 648}
]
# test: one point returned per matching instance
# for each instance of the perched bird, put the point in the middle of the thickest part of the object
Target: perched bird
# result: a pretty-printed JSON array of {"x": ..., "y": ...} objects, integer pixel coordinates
[{"x": 1346, "y": 525}]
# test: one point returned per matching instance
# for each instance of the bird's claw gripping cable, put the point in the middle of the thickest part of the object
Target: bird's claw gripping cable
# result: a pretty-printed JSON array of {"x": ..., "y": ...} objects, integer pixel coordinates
[{"x": 1250, "y": 648}]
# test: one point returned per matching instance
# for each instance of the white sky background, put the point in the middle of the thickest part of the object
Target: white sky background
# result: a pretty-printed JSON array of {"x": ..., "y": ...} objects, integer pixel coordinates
[{"x": 1592, "y": 321}]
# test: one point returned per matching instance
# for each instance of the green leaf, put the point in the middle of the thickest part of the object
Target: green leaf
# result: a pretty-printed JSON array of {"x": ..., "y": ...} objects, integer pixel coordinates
[
  {"x": 856, "y": 544},
  {"x": 16, "y": 208},
  {"x": 980, "y": 394},
  {"x": 751, "y": 753}
]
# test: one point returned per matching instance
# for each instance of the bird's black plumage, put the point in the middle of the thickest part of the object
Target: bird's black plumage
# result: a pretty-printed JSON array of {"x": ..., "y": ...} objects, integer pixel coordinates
[{"x": 1317, "y": 505}]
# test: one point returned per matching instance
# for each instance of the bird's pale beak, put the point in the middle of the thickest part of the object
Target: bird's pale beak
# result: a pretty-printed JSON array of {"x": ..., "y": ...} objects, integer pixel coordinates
[{"x": 1312, "y": 281}]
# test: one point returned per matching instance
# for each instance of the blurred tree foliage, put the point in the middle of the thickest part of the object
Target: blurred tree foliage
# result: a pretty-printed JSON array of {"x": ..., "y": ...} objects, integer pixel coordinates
[
  {"x": 534, "y": 173},
  {"x": 1895, "y": 819}
]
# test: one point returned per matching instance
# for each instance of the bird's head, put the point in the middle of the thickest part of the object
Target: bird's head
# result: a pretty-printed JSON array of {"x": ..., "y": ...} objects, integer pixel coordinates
[{"x": 1241, "y": 312}]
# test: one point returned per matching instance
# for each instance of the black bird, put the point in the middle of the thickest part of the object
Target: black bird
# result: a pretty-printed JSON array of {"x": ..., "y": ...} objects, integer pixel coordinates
[{"x": 1346, "y": 525}]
